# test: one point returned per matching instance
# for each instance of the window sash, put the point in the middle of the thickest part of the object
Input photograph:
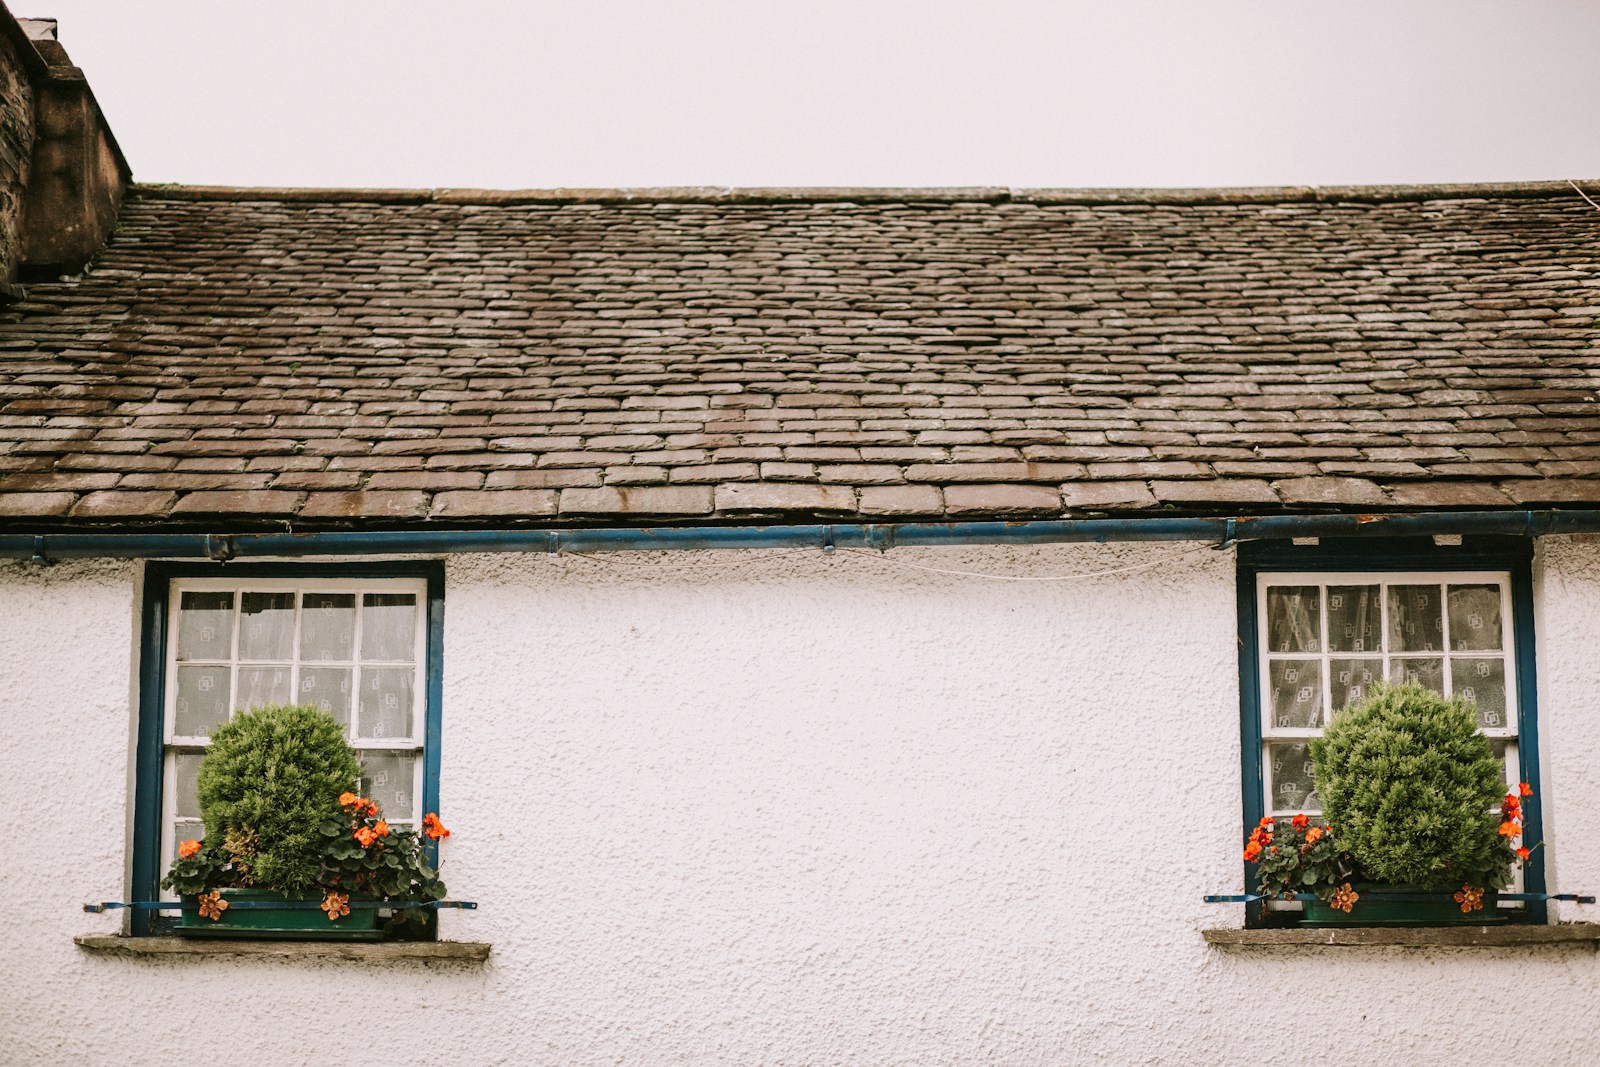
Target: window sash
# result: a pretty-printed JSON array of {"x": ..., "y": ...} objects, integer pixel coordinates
[
  {"x": 175, "y": 744},
  {"x": 1273, "y": 736}
]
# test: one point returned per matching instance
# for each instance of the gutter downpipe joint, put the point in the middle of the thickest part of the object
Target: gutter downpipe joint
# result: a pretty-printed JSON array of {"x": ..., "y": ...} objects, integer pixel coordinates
[{"x": 880, "y": 536}]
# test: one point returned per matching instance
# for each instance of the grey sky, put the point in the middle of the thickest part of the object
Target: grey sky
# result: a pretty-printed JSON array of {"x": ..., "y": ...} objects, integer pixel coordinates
[{"x": 530, "y": 93}]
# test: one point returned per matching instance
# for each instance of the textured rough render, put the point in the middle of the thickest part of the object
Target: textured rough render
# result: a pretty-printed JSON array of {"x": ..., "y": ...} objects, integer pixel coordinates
[
  {"x": 717, "y": 357},
  {"x": 791, "y": 808}
]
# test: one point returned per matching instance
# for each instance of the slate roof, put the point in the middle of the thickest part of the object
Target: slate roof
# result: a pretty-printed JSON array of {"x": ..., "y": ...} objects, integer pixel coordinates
[{"x": 247, "y": 358}]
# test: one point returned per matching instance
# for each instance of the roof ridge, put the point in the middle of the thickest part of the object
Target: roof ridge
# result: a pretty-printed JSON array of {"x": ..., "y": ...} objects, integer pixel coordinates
[{"x": 943, "y": 194}]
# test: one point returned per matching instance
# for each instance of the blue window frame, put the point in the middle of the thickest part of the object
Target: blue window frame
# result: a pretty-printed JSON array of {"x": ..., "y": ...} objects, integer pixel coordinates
[
  {"x": 1355, "y": 591},
  {"x": 196, "y": 665}
]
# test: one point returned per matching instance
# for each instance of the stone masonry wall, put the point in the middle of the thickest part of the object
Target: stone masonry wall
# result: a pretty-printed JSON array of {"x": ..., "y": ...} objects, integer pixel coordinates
[{"x": 16, "y": 148}]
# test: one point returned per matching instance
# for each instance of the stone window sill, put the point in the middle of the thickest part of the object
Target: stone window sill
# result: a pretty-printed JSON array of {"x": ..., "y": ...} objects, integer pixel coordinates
[
  {"x": 461, "y": 952},
  {"x": 1579, "y": 934}
]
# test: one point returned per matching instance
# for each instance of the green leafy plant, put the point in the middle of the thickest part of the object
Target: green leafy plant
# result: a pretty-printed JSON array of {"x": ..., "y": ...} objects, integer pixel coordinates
[
  {"x": 267, "y": 783},
  {"x": 363, "y": 855},
  {"x": 1293, "y": 856},
  {"x": 1414, "y": 790},
  {"x": 196, "y": 870},
  {"x": 274, "y": 792}
]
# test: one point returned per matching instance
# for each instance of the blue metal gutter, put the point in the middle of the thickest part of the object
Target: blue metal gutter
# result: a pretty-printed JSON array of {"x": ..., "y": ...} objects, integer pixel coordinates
[{"x": 824, "y": 536}]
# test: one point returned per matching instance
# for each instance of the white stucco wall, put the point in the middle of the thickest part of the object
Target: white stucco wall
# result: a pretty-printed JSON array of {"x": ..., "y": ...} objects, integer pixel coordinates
[{"x": 786, "y": 808}]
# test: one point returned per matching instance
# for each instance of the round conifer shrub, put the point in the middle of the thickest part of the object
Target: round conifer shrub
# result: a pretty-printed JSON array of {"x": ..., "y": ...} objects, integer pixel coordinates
[
  {"x": 1409, "y": 786},
  {"x": 269, "y": 779}
]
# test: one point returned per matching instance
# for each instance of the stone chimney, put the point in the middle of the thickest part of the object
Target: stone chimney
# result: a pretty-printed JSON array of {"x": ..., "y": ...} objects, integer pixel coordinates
[{"x": 62, "y": 175}]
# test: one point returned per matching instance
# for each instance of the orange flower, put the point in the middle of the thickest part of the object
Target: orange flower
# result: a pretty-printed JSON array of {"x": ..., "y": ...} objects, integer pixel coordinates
[
  {"x": 1511, "y": 805},
  {"x": 432, "y": 827},
  {"x": 1523, "y": 853},
  {"x": 1252, "y": 850},
  {"x": 1313, "y": 835},
  {"x": 1527, "y": 790},
  {"x": 1344, "y": 898},
  {"x": 1470, "y": 899},
  {"x": 366, "y": 835},
  {"x": 212, "y": 905},
  {"x": 380, "y": 828},
  {"x": 1510, "y": 829},
  {"x": 347, "y": 799},
  {"x": 1300, "y": 822},
  {"x": 188, "y": 848},
  {"x": 336, "y": 904}
]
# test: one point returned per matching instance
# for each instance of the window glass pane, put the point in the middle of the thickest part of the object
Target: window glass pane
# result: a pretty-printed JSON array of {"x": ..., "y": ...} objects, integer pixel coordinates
[
  {"x": 386, "y": 702},
  {"x": 389, "y": 627},
  {"x": 1416, "y": 623},
  {"x": 1482, "y": 682},
  {"x": 1506, "y": 754},
  {"x": 205, "y": 626},
  {"x": 329, "y": 689},
  {"x": 1353, "y": 618},
  {"x": 186, "y": 771},
  {"x": 387, "y": 780},
  {"x": 1292, "y": 788},
  {"x": 1294, "y": 618},
  {"x": 1296, "y": 693},
  {"x": 202, "y": 700},
  {"x": 1428, "y": 673},
  {"x": 266, "y": 626},
  {"x": 260, "y": 687},
  {"x": 1351, "y": 679},
  {"x": 1474, "y": 617},
  {"x": 328, "y": 626}
]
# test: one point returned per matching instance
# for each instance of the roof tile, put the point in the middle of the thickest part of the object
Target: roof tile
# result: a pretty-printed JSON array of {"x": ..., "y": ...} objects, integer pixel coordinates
[
  {"x": 637, "y": 501},
  {"x": 784, "y": 497},
  {"x": 1108, "y": 496},
  {"x": 1219, "y": 491},
  {"x": 35, "y": 504},
  {"x": 1344, "y": 492},
  {"x": 1002, "y": 501},
  {"x": 243, "y": 502},
  {"x": 326, "y": 505},
  {"x": 110, "y": 504},
  {"x": 901, "y": 500},
  {"x": 497, "y": 503}
]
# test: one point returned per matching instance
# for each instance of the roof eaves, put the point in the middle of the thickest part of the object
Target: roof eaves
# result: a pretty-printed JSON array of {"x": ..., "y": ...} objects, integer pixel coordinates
[{"x": 973, "y": 194}]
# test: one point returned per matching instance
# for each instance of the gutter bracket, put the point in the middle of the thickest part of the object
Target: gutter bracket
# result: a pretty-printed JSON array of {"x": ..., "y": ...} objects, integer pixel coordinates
[
  {"x": 827, "y": 540},
  {"x": 220, "y": 547},
  {"x": 1229, "y": 536},
  {"x": 39, "y": 558}
]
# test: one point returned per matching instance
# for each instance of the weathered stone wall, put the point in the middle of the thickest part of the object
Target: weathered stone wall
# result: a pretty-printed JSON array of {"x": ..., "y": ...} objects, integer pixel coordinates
[
  {"x": 16, "y": 149},
  {"x": 62, "y": 175},
  {"x": 77, "y": 180}
]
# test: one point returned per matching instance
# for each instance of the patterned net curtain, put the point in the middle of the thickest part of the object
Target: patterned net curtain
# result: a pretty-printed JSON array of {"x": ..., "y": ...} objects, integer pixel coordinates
[{"x": 1326, "y": 643}]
